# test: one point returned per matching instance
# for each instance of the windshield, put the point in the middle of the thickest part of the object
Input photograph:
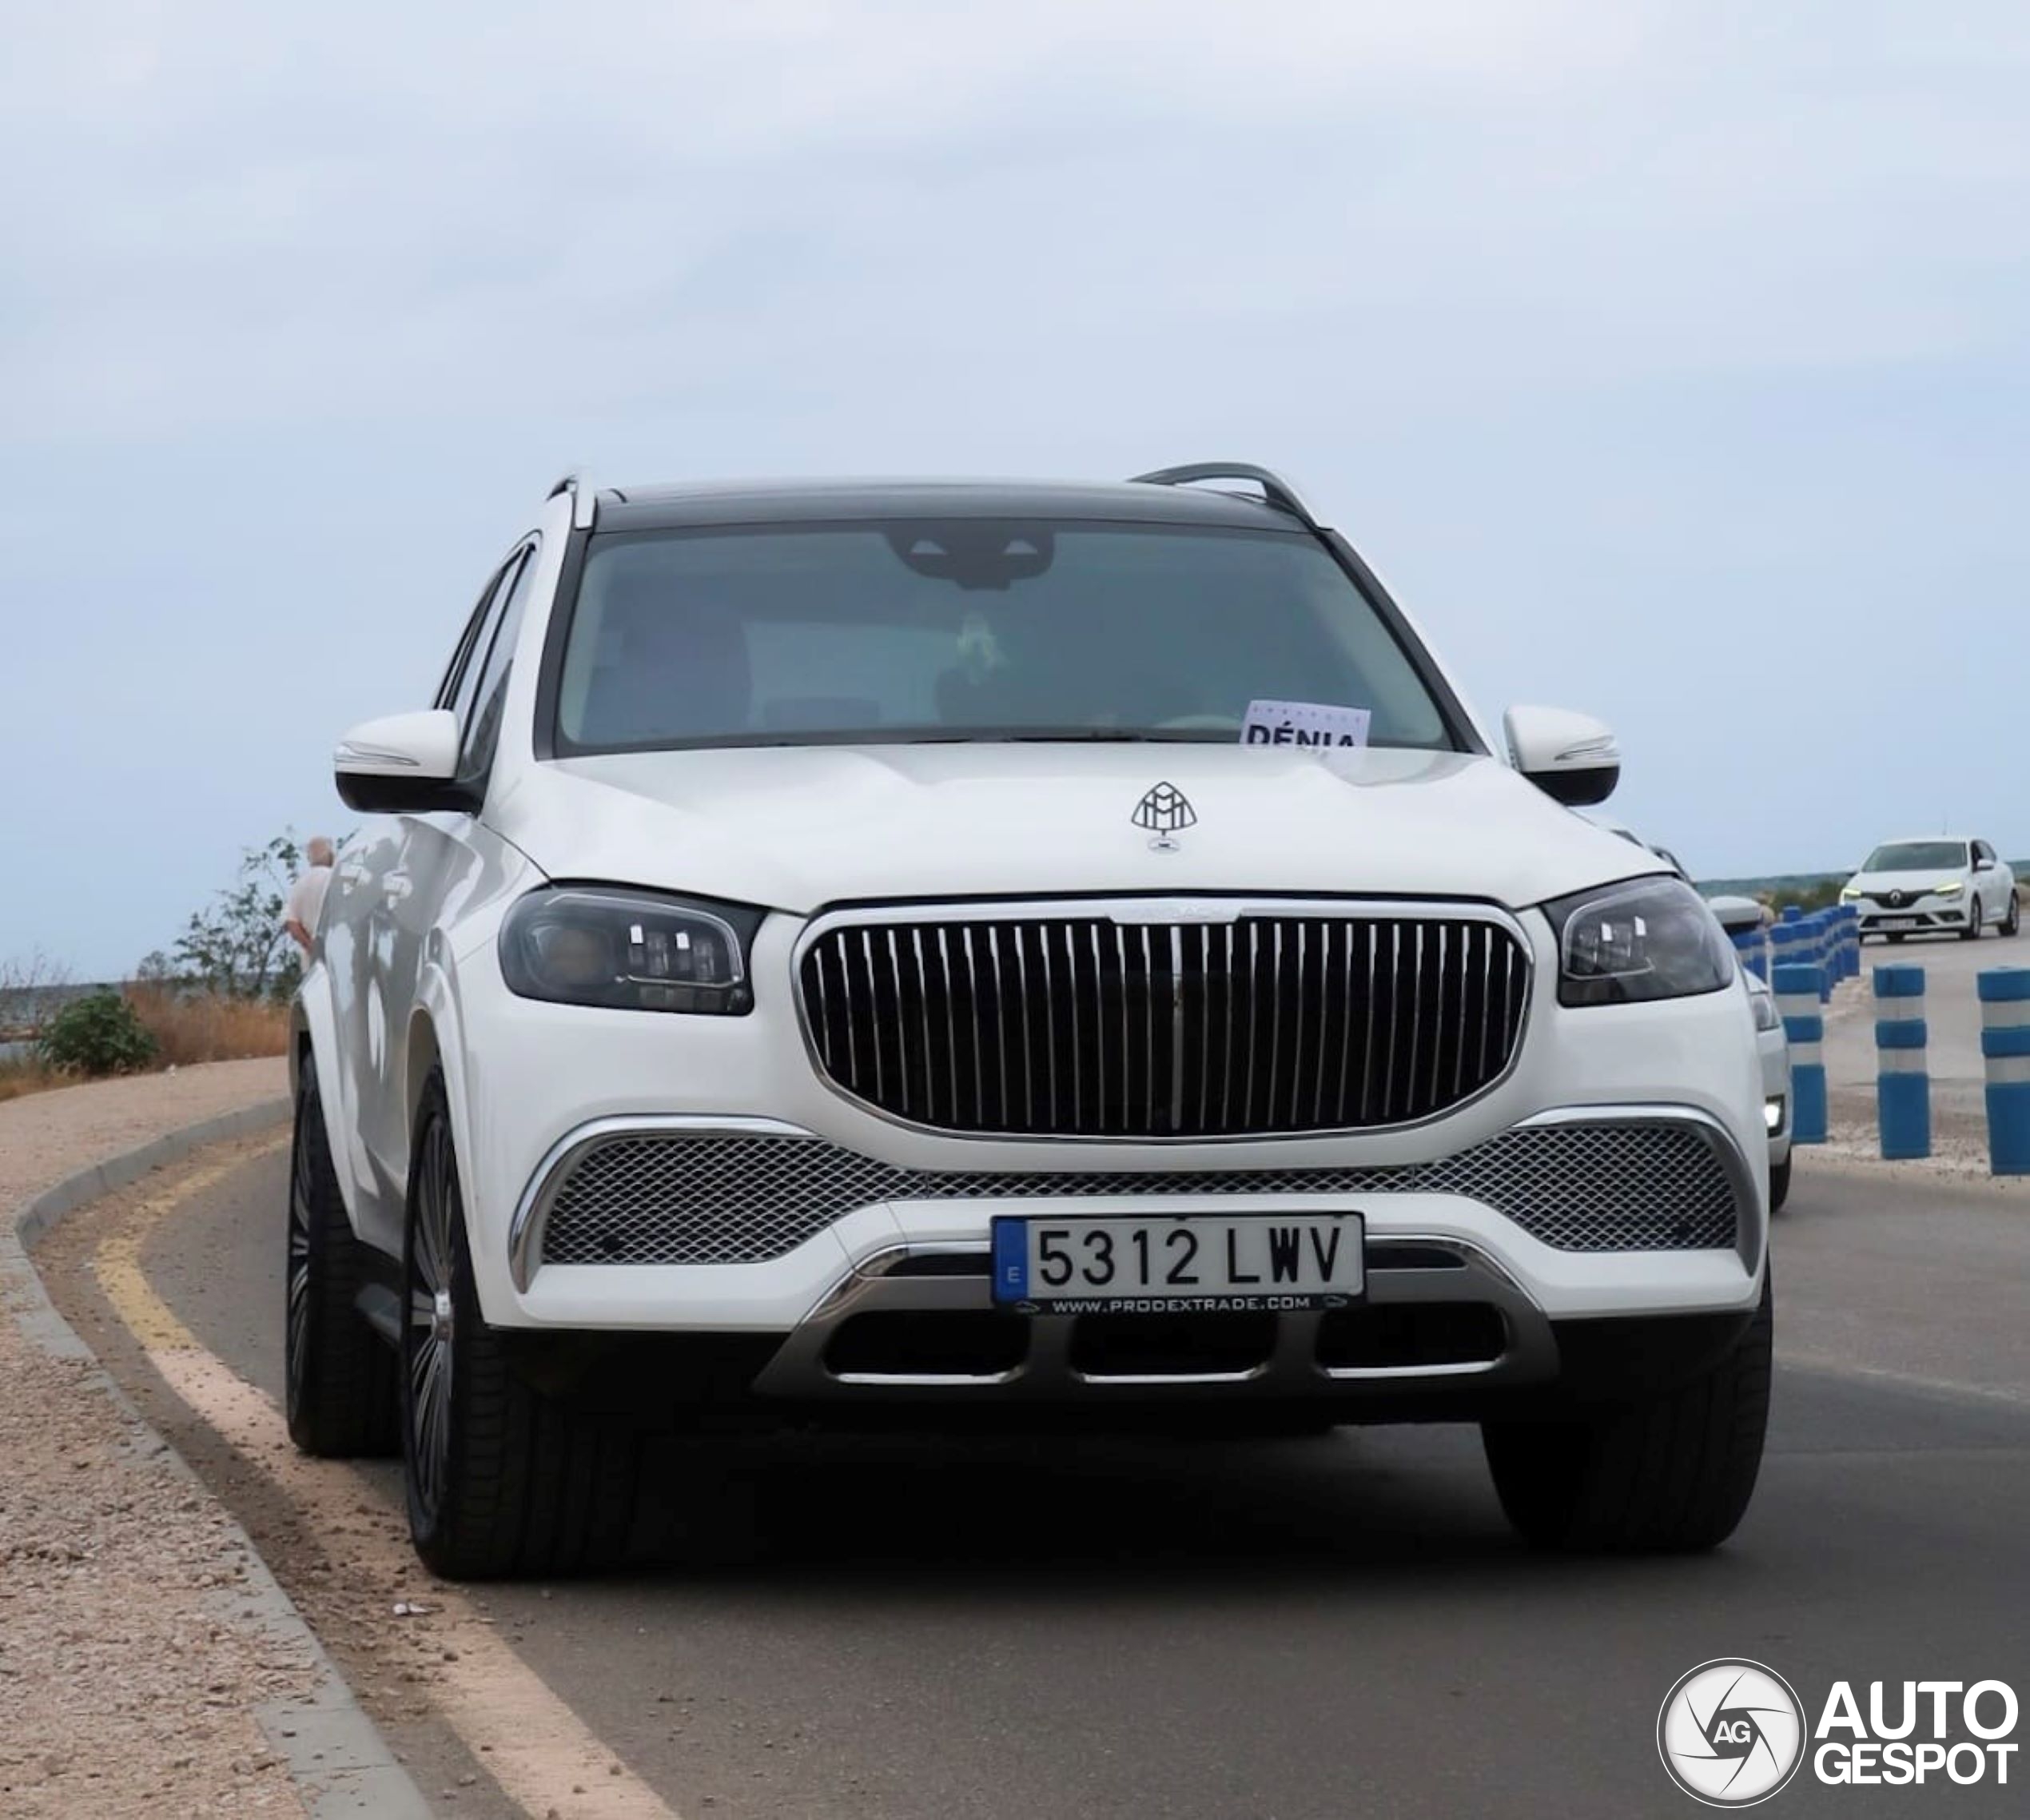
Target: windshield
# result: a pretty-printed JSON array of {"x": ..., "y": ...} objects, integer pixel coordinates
[
  {"x": 1918, "y": 856},
  {"x": 969, "y": 629}
]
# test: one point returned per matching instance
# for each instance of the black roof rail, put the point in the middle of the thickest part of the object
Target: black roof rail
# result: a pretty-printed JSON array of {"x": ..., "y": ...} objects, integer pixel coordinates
[
  {"x": 582, "y": 497},
  {"x": 1278, "y": 491}
]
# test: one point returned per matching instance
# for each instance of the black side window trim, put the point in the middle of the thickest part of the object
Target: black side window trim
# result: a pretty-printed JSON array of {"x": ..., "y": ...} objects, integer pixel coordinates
[
  {"x": 516, "y": 574},
  {"x": 455, "y": 671}
]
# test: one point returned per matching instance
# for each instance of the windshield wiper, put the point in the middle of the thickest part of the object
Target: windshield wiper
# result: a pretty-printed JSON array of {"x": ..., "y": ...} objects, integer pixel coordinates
[
  {"x": 1116, "y": 736},
  {"x": 1048, "y": 736}
]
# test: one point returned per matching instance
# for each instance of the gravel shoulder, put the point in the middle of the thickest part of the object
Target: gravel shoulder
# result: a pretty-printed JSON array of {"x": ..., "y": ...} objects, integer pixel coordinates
[{"x": 149, "y": 1664}]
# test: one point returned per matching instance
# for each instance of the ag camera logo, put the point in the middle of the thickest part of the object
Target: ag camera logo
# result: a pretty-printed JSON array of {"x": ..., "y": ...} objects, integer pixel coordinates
[{"x": 1731, "y": 1732}]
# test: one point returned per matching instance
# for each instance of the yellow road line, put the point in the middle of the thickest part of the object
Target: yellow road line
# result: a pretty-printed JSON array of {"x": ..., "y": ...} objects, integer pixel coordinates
[
  {"x": 544, "y": 1758},
  {"x": 117, "y": 1263}
]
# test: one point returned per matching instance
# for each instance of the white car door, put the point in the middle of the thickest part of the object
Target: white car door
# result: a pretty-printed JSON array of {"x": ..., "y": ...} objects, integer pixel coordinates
[
  {"x": 347, "y": 942},
  {"x": 360, "y": 959},
  {"x": 431, "y": 862},
  {"x": 1987, "y": 882}
]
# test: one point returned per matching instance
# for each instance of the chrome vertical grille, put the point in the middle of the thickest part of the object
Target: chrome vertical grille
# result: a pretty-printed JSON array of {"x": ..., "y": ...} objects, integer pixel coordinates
[{"x": 1085, "y": 1027}]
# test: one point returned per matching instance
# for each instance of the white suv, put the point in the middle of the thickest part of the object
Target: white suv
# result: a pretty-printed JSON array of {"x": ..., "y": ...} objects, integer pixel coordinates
[
  {"x": 1931, "y": 884},
  {"x": 960, "y": 953}
]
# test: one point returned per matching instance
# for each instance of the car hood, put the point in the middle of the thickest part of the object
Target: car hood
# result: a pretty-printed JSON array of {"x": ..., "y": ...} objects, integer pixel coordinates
[
  {"x": 1916, "y": 882},
  {"x": 796, "y": 828}
]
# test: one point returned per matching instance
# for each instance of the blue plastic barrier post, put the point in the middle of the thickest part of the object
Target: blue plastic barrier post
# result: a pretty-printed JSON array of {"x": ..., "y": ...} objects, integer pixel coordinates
[
  {"x": 2005, "y": 1046},
  {"x": 1903, "y": 1086},
  {"x": 1754, "y": 958},
  {"x": 1851, "y": 915},
  {"x": 1818, "y": 951},
  {"x": 1784, "y": 949},
  {"x": 1804, "y": 1024},
  {"x": 1791, "y": 913}
]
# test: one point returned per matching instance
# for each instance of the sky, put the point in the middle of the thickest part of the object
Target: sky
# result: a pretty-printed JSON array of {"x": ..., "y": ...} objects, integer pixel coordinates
[{"x": 1669, "y": 360}]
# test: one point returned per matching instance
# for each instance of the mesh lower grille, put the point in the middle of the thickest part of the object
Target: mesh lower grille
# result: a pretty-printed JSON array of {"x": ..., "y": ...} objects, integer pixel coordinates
[{"x": 679, "y": 1199}]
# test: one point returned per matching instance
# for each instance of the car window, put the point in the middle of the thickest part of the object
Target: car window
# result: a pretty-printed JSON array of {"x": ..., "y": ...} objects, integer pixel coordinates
[
  {"x": 965, "y": 629},
  {"x": 467, "y": 685},
  {"x": 456, "y": 670},
  {"x": 873, "y": 675},
  {"x": 1983, "y": 850},
  {"x": 1917, "y": 856},
  {"x": 482, "y": 731}
]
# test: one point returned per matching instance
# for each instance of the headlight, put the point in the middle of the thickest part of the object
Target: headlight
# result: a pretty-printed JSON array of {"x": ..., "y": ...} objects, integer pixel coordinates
[
  {"x": 1849, "y": 894},
  {"x": 1767, "y": 1016},
  {"x": 1951, "y": 888},
  {"x": 1627, "y": 944},
  {"x": 630, "y": 950}
]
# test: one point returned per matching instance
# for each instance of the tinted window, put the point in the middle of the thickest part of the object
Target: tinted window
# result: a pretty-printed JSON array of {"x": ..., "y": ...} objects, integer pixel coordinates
[
  {"x": 457, "y": 671},
  {"x": 473, "y": 663},
  {"x": 483, "y": 729},
  {"x": 1918, "y": 856},
  {"x": 969, "y": 629}
]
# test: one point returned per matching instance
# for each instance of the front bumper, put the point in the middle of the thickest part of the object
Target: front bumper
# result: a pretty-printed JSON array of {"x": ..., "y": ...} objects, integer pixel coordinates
[
  {"x": 1927, "y": 915},
  {"x": 539, "y": 1077}
]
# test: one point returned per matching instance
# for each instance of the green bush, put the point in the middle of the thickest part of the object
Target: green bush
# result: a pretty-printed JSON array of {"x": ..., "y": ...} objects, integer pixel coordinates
[
  {"x": 1821, "y": 896},
  {"x": 97, "y": 1034}
]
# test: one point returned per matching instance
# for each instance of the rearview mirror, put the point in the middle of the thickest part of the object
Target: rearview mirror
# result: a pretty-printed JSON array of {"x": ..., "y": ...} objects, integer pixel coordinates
[
  {"x": 402, "y": 764},
  {"x": 1571, "y": 758}
]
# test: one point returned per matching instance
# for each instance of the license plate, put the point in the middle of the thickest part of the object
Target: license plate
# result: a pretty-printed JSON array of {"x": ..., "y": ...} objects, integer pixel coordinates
[
  {"x": 1240, "y": 1261},
  {"x": 1899, "y": 922}
]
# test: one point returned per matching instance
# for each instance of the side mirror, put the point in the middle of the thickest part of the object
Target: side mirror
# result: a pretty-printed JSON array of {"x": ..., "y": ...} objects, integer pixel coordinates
[
  {"x": 1984, "y": 865},
  {"x": 402, "y": 764},
  {"x": 1571, "y": 758}
]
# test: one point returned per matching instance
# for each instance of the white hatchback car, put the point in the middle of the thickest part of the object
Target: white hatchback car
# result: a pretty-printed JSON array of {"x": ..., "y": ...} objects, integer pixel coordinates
[
  {"x": 840, "y": 953},
  {"x": 1933, "y": 885}
]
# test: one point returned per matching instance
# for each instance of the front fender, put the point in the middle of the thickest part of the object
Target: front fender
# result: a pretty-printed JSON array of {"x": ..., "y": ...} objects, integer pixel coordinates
[
  {"x": 436, "y": 1039},
  {"x": 313, "y": 1024}
]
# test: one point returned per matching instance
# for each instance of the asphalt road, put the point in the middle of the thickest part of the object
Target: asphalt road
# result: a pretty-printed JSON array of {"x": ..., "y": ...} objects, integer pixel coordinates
[{"x": 1305, "y": 1630}]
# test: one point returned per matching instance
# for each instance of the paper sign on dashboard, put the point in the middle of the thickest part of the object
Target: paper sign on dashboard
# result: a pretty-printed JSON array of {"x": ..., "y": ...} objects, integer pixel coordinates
[{"x": 1303, "y": 723}]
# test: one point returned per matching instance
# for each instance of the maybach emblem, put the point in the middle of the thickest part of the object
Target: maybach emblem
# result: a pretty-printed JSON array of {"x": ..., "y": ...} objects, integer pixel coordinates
[{"x": 1164, "y": 811}]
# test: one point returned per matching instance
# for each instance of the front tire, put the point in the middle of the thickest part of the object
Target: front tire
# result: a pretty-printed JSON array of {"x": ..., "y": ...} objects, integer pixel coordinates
[
  {"x": 500, "y": 1479},
  {"x": 1972, "y": 932},
  {"x": 1672, "y": 1474},
  {"x": 338, "y": 1374},
  {"x": 1779, "y": 1183}
]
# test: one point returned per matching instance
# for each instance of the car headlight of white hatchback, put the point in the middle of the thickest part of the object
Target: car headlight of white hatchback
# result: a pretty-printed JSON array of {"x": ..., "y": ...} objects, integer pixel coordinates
[
  {"x": 1951, "y": 888},
  {"x": 1629, "y": 944},
  {"x": 630, "y": 950}
]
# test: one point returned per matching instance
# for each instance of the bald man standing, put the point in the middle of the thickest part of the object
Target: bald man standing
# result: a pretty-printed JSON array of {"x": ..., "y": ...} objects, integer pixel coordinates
[{"x": 306, "y": 899}]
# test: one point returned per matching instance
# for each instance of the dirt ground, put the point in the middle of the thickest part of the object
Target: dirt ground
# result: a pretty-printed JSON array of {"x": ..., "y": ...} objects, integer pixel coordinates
[{"x": 131, "y": 1659}]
